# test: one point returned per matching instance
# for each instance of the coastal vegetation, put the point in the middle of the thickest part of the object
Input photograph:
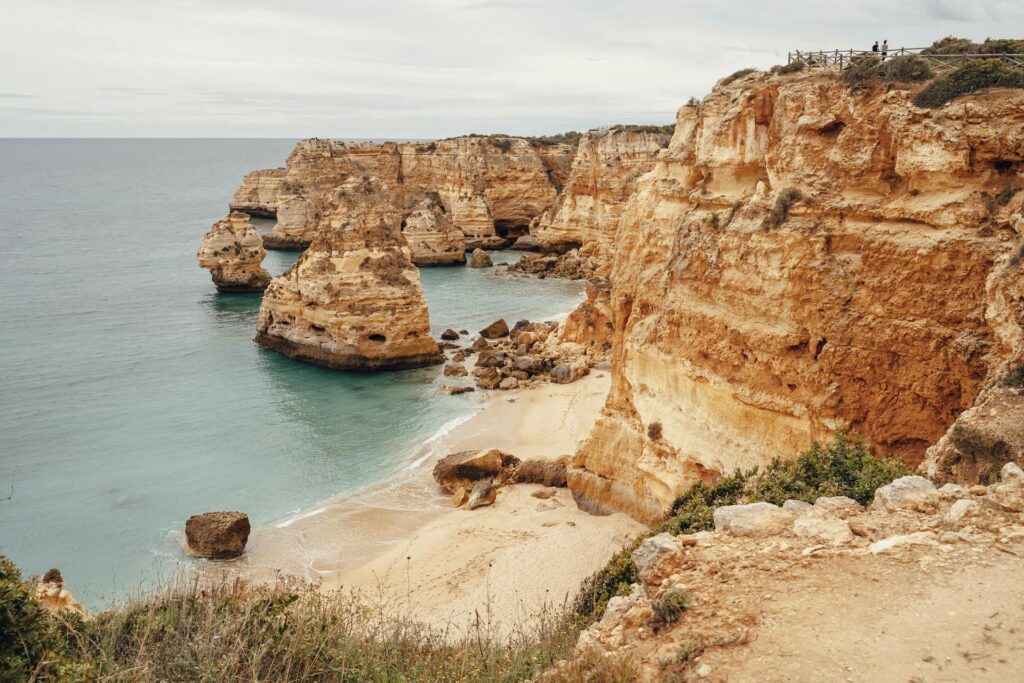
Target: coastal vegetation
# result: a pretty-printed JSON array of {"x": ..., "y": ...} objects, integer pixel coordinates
[
  {"x": 843, "y": 467},
  {"x": 971, "y": 77}
]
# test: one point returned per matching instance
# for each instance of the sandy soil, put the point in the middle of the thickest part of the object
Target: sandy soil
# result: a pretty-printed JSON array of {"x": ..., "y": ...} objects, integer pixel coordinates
[{"x": 404, "y": 542}]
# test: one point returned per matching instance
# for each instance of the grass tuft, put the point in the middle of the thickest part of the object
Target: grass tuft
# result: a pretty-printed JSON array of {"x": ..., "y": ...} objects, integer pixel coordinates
[
  {"x": 736, "y": 75},
  {"x": 780, "y": 211},
  {"x": 1015, "y": 379},
  {"x": 667, "y": 609},
  {"x": 972, "y": 77}
]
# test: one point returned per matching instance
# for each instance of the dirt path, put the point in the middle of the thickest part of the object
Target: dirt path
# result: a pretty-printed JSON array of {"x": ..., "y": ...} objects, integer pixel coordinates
[{"x": 886, "y": 619}]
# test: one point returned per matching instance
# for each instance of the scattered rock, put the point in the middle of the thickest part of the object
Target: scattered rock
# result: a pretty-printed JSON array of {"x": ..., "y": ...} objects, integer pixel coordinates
[
  {"x": 910, "y": 492},
  {"x": 543, "y": 494},
  {"x": 532, "y": 365},
  {"x": 508, "y": 383},
  {"x": 893, "y": 542},
  {"x": 484, "y": 493},
  {"x": 479, "y": 345},
  {"x": 526, "y": 243},
  {"x": 480, "y": 259},
  {"x": 952, "y": 490},
  {"x": 546, "y": 472},
  {"x": 1009, "y": 494},
  {"x": 564, "y": 373},
  {"x": 840, "y": 506},
  {"x": 652, "y": 553},
  {"x": 455, "y": 370},
  {"x": 977, "y": 490},
  {"x": 487, "y": 378},
  {"x": 961, "y": 509},
  {"x": 797, "y": 507},
  {"x": 753, "y": 519},
  {"x": 497, "y": 329},
  {"x": 217, "y": 535},
  {"x": 456, "y": 390},
  {"x": 822, "y": 525},
  {"x": 492, "y": 358},
  {"x": 449, "y": 335},
  {"x": 464, "y": 468}
]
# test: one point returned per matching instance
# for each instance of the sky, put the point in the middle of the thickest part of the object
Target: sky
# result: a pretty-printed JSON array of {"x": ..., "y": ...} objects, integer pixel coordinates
[{"x": 416, "y": 68}]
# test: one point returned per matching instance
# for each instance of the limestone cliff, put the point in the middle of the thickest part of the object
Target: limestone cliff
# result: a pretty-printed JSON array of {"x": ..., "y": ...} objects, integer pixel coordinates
[
  {"x": 432, "y": 238},
  {"x": 490, "y": 187},
  {"x": 258, "y": 193},
  {"x": 606, "y": 167},
  {"x": 801, "y": 259},
  {"x": 233, "y": 251},
  {"x": 353, "y": 300}
]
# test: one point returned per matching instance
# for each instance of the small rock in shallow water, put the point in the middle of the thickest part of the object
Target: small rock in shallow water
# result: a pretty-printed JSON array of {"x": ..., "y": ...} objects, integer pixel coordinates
[{"x": 217, "y": 535}]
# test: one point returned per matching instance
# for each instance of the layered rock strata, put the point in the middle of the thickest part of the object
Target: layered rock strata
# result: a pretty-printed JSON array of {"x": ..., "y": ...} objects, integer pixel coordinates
[
  {"x": 353, "y": 300},
  {"x": 604, "y": 172},
  {"x": 258, "y": 195},
  {"x": 233, "y": 252},
  {"x": 803, "y": 259},
  {"x": 433, "y": 240},
  {"x": 490, "y": 187}
]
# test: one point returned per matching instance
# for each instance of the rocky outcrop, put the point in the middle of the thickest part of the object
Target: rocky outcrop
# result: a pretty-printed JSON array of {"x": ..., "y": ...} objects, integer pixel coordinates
[
  {"x": 258, "y": 195},
  {"x": 217, "y": 535},
  {"x": 433, "y": 240},
  {"x": 490, "y": 187},
  {"x": 804, "y": 258},
  {"x": 604, "y": 172},
  {"x": 233, "y": 252},
  {"x": 480, "y": 259},
  {"x": 353, "y": 300},
  {"x": 50, "y": 591}
]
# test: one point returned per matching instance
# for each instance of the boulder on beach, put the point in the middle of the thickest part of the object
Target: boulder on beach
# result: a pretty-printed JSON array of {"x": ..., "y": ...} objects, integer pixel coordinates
[
  {"x": 484, "y": 493},
  {"x": 479, "y": 345},
  {"x": 497, "y": 329},
  {"x": 449, "y": 335},
  {"x": 217, "y": 535},
  {"x": 546, "y": 472}
]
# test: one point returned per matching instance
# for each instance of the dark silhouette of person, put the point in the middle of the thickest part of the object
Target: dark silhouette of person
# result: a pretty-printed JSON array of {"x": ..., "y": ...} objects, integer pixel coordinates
[{"x": 874, "y": 48}]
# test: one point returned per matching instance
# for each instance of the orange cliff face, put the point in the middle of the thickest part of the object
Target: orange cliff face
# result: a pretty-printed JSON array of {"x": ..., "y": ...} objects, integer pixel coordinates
[
  {"x": 490, "y": 187},
  {"x": 353, "y": 300},
  {"x": 804, "y": 259}
]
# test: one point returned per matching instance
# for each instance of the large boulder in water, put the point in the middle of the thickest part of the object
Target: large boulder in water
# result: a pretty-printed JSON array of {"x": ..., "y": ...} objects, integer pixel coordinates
[
  {"x": 480, "y": 259},
  {"x": 499, "y": 328},
  {"x": 217, "y": 535}
]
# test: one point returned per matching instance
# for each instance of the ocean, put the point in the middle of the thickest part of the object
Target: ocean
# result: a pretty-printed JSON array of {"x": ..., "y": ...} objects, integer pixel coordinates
[{"x": 131, "y": 393}]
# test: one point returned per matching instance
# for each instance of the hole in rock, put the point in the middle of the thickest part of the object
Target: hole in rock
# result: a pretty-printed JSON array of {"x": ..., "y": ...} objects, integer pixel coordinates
[
  {"x": 833, "y": 129},
  {"x": 377, "y": 338}
]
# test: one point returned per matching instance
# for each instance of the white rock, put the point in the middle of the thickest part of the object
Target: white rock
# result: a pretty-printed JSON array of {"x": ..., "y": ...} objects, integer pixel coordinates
[
  {"x": 905, "y": 492},
  {"x": 887, "y": 544},
  {"x": 841, "y": 506},
  {"x": 704, "y": 670},
  {"x": 652, "y": 552},
  {"x": 1012, "y": 472},
  {"x": 797, "y": 507},
  {"x": 953, "y": 490},
  {"x": 961, "y": 509},
  {"x": 821, "y": 525},
  {"x": 753, "y": 519}
]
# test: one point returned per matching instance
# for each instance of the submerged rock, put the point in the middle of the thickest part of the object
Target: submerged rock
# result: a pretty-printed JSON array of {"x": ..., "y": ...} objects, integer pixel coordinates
[
  {"x": 217, "y": 535},
  {"x": 233, "y": 252}
]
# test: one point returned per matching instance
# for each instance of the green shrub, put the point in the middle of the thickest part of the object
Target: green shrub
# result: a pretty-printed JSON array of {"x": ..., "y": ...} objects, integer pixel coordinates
[
  {"x": 667, "y": 609},
  {"x": 972, "y": 77},
  {"x": 793, "y": 67},
  {"x": 1006, "y": 194},
  {"x": 737, "y": 75},
  {"x": 951, "y": 45},
  {"x": 844, "y": 467},
  {"x": 1015, "y": 379},
  {"x": 861, "y": 69},
  {"x": 780, "y": 212},
  {"x": 504, "y": 144},
  {"x": 904, "y": 68}
]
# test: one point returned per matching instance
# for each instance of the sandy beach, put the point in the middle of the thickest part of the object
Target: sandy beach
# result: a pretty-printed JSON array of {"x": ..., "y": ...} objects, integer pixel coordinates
[{"x": 403, "y": 542}]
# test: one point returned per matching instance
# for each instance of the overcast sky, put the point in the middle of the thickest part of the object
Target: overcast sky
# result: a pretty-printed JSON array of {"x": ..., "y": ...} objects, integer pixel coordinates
[{"x": 416, "y": 68}]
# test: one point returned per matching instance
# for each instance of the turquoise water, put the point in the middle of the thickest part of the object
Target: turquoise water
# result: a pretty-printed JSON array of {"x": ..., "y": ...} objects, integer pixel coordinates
[{"x": 132, "y": 395}]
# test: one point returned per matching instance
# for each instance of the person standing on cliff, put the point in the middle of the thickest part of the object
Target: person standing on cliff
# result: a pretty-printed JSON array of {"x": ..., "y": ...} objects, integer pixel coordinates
[
  {"x": 874, "y": 48},
  {"x": 885, "y": 48}
]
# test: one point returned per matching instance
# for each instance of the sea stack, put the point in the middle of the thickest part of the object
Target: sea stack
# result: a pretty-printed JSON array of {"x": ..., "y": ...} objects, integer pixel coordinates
[
  {"x": 233, "y": 252},
  {"x": 433, "y": 240},
  {"x": 353, "y": 300}
]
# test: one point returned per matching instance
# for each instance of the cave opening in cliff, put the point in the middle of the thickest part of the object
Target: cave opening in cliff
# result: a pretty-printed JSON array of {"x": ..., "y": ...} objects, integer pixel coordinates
[
  {"x": 511, "y": 229},
  {"x": 377, "y": 338}
]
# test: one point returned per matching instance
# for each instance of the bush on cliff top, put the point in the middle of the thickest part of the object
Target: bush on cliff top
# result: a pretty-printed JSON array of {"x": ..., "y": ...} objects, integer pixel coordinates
[
  {"x": 951, "y": 45},
  {"x": 904, "y": 69},
  {"x": 972, "y": 77},
  {"x": 844, "y": 467},
  {"x": 736, "y": 75}
]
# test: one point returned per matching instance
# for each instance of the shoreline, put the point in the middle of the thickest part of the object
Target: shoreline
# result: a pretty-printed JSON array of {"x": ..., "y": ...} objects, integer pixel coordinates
[{"x": 402, "y": 540}]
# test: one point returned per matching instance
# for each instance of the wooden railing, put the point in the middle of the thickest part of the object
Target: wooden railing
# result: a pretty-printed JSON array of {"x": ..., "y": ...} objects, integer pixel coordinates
[{"x": 840, "y": 59}]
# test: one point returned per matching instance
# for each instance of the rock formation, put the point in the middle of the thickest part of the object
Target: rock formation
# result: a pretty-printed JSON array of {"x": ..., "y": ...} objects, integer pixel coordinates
[
  {"x": 604, "y": 172},
  {"x": 490, "y": 187},
  {"x": 50, "y": 591},
  {"x": 353, "y": 300},
  {"x": 804, "y": 258},
  {"x": 233, "y": 252},
  {"x": 481, "y": 259},
  {"x": 433, "y": 240},
  {"x": 258, "y": 195},
  {"x": 217, "y": 535}
]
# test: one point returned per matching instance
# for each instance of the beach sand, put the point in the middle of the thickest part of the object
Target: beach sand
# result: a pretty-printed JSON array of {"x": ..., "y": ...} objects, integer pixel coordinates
[{"x": 404, "y": 543}]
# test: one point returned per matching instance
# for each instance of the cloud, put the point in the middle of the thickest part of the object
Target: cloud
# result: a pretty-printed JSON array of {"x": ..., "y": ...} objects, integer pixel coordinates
[{"x": 417, "y": 68}]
